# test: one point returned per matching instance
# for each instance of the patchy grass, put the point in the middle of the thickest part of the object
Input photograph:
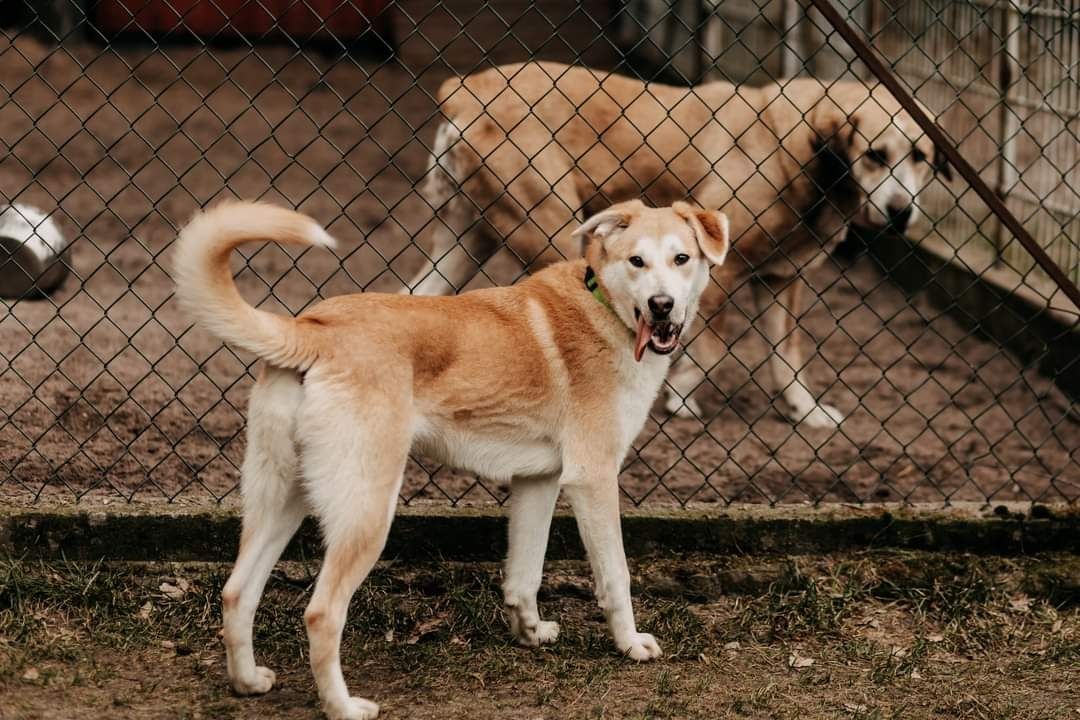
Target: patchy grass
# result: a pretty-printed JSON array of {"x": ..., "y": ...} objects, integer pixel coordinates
[{"x": 872, "y": 636}]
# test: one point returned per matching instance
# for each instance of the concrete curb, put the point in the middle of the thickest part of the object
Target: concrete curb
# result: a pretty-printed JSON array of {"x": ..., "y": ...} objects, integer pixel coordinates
[{"x": 176, "y": 533}]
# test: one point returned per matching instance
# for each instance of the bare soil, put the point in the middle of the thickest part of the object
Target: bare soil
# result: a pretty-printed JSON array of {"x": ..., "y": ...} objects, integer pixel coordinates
[
  {"x": 826, "y": 638},
  {"x": 107, "y": 391}
]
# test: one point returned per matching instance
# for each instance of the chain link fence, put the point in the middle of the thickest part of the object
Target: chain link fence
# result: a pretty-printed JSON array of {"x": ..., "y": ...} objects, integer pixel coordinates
[{"x": 120, "y": 118}]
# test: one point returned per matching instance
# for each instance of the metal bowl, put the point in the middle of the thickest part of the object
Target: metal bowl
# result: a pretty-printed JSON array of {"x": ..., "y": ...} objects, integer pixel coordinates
[{"x": 34, "y": 254}]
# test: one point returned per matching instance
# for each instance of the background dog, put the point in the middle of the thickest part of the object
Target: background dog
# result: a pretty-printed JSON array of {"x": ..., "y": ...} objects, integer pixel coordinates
[
  {"x": 528, "y": 150},
  {"x": 545, "y": 383}
]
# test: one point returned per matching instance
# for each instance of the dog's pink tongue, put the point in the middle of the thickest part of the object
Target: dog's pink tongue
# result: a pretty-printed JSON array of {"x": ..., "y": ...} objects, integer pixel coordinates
[{"x": 644, "y": 334}]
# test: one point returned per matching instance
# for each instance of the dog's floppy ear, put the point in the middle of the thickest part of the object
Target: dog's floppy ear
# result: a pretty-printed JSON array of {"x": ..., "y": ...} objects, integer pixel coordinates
[
  {"x": 833, "y": 127},
  {"x": 941, "y": 164},
  {"x": 710, "y": 228},
  {"x": 606, "y": 222}
]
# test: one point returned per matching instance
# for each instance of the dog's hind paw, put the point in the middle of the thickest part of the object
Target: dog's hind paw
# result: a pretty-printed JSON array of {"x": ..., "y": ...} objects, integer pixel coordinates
[
  {"x": 258, "y": 684},
  {"x": 544, "y": 632},
  {"x": 547, "y": 632},
  {"x": 641, "y": 647},
  {"x": 356, "y": 708}
]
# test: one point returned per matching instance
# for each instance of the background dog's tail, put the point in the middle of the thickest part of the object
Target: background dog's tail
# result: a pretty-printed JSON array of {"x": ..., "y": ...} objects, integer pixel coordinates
[{"x": 206, "y": 289}]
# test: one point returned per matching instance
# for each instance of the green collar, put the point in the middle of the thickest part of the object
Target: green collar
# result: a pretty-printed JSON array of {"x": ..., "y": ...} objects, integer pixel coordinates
[{"x": 593, "y": 286}]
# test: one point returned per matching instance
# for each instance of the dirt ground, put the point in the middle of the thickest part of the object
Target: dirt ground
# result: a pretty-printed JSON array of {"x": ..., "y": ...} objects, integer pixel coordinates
[
  {"x": 108, "y": 393},
  {"x": 864, "y": 637}
]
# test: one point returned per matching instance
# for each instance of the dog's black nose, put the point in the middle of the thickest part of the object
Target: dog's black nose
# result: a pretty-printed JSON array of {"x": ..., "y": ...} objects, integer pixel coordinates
[
  {"x": 899, "y": 217},
  {"x": 661, "y": 305}
]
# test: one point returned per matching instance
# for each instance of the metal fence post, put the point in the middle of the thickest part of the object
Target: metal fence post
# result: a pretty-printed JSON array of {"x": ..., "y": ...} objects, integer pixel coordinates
[{"x": 1010, "y": 123}]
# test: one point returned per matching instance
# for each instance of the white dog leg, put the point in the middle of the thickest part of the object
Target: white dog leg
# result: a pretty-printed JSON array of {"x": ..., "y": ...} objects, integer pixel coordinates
[
  {"x": 595, "y": 500},
  {"x": 531, "y": 507},
  {"x": 684, "y": 378},
  {"x": 457, "y": 246},
  {"x": 273, "y": 510},
  {"x": 776, "y": 322},
  {"x": 691, "y": 369},
  {"x": 353, "y": 463}
]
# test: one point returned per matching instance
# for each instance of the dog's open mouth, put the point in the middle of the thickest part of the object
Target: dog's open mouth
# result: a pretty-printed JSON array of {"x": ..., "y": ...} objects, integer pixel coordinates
[{"x": 660, "y": 337}]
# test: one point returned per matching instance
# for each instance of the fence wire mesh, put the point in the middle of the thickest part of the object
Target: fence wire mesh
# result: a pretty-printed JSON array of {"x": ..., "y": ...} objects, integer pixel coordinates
[{"x": 120, "y": 118}]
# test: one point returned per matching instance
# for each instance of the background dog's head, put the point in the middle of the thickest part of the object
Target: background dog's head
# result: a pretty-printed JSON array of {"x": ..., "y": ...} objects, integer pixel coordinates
[
  {"x": 885, "y": 154},
  {"x": 653, "y": 264}
]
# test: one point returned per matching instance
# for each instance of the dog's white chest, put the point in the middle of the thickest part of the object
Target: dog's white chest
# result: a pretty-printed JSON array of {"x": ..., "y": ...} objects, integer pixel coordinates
[{"x": 637, "y": 394}]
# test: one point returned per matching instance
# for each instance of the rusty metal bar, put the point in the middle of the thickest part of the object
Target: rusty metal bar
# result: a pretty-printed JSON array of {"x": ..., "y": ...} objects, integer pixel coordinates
[{"x": 886, "y": 77}]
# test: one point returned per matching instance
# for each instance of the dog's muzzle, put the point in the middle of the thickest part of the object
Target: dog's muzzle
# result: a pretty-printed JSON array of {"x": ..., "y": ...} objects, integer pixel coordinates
[
  {"x": 660, "y": 336},
  {"x": 899, "y": 217}
]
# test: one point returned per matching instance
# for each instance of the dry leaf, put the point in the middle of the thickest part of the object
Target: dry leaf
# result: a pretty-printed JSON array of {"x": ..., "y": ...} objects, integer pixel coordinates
[
  {"x": 935, "y": 638},
  {"x": 145, "y": 610},
  {"x": 168, "y": 644},
  {"x": 915, "y": 674},
  {"x": 388, "y": 636},
  {"x": 733, "y": 645},
  {"x": 1020, "y": 604},
  {"x": 31, "y": 674},
  {"x": 855, "y": 708},
  {"x": 798, "y": 661},
  {"x": 425, "y": 628},
  {"x": 173, "y": 592},
  {"x": 1056, "y": 627}
]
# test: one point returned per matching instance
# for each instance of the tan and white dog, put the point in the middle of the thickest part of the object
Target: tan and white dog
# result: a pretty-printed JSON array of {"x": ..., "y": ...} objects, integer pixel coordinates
[
  {"x": 545, "y": 383},
  {"x": 526, "y": 151}
]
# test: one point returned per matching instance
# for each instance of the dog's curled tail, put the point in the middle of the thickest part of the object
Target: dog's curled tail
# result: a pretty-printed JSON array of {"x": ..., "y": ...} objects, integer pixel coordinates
[{"x": 206, "y": 289}]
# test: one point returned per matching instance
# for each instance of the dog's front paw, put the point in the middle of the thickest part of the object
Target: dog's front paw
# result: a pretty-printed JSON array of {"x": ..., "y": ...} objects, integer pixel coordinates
[
  {"x": 544, "y": 632},
  {"x": 687, "y": 409},
  {"x": 819, "y": 416},
  {"x": 531, "y": 631},
  {"x": 641, "y": 647},
  {"x": 258, "y": 684},
  {"x": 355, "y": 708}
]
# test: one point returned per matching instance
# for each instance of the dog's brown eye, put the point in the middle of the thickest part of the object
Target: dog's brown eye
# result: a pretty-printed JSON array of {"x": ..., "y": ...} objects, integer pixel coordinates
[
  {"x": 877, "y": 156},
  {"x": 918, "y": 155},
  {"x": 682, "y": 259},
  {"x": 636, "y": 261}
]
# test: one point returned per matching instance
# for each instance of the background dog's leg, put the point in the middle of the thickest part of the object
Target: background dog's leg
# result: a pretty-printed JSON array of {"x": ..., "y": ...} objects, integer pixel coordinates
[
  {"x": 455, "y": 240},
  {"x": 777, "y": 316},
  {"x": 539, "y": 213},
  {"x": 594, "y": 495},
  {"x": 531, "y": 506},
  {"x": 458, "y": 244},
  {"x": 353, "y": 464},
  {"x": 700, "y": 356},
  {"x": 273, "y": 509}
]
